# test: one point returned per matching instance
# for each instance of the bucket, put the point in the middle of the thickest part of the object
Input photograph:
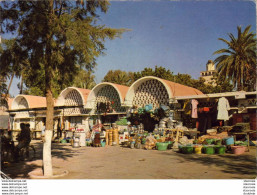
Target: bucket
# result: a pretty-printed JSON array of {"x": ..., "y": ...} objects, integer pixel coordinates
[
  {"x": 220, "y": 149},
  {"x": 187, "y": 149},
  {"x": 238, "y": 149},
  {"x": 170, "y": 144},
  {"x": 132, "y": 145},
  {"x": 75, "y": 142},
  {"x": 209, "y": 150},
  {"x": 198, "y": 149},
  {"x": 63, "y": 141},
  {"x": 138, "y": 146},
  {"x": 103, "y": 144},
  {"x": 229, "y": 141},
  {"x": 162, "y": 146}
]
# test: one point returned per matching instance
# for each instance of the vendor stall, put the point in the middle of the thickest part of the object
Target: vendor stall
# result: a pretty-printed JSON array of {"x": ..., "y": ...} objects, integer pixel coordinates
[
  {"x": 106, "y": 101},
  {"x": 151, "y": 100},
  {"x": 218, "y": 109},
  {"x": 24, "y": 109},
  {"x": 72, "y": 117}
]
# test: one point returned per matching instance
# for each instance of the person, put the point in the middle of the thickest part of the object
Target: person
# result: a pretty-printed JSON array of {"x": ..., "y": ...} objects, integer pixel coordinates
[
  {"x": 43, "y": 132},
  {"x": 59, "y": 130},
  {"x": 23, "y": 139}
]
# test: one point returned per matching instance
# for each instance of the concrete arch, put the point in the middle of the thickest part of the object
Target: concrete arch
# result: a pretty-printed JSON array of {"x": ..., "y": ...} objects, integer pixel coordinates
[
  {"x": 120, "y": 89},
  {"x": 82, "y": 92},
  {"x": 32, "y": 101},
  {"x": 173, "y": 89},
  {"x": 131, "y": 92}
]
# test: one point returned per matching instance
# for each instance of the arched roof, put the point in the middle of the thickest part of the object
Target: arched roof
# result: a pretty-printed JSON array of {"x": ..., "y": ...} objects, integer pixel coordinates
[
  {"x": 121, "y": 90},
  {"x": 83, "y": 93},
  {"x": 173, "y": 89},
  {"x": 32, "y": 101},
  {"x": 10, "y": 100}
]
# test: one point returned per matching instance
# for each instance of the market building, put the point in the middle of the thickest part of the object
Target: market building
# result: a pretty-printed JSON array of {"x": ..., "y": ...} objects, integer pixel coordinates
[
  {"x": 152, "y": 93},
  {"x": 115, "y": 114},
  {"x": 27, "y": 109},
  {"x": 106, "y": 102},
  {"x": 70, "y": 113}
]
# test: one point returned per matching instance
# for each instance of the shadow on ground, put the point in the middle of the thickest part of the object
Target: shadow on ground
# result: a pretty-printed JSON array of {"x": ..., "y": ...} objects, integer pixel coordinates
[
  {"x": 22, "y": 168},
  {"x": 228, "y": 163}
]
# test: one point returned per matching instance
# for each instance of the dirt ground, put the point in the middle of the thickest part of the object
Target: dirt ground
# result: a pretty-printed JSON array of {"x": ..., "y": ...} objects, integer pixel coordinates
[{"x": 114, "y": 162}]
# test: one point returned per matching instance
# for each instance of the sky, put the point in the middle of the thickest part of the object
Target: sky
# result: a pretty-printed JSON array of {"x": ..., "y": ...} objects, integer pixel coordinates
[{"x": 178, "y": 35}]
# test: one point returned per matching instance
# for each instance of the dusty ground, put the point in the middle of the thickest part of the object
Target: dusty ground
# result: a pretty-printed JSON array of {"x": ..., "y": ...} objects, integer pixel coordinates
[{"x": 124, "y": 163}]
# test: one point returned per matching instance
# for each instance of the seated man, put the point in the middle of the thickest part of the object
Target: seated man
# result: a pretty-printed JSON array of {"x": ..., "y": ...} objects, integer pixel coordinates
[
  {"x": 7, "y": 147},
  {"x": 23, "y": 139}
]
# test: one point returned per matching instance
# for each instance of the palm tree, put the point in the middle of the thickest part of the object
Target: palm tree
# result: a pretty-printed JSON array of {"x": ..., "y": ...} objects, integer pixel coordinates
[{"x": 238, "y": 62}]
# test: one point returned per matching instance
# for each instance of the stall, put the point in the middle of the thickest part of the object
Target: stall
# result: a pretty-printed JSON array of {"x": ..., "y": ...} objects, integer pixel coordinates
[
  {"x": 151, "y": 102},
  {"x": 106, "y": 102},
  {"x": 71, "y": 118},
  {"x": 23, "y": 110}
]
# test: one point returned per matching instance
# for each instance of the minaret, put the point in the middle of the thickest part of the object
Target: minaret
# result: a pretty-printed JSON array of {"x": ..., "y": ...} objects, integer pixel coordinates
[{"x": 209, "y": 73}]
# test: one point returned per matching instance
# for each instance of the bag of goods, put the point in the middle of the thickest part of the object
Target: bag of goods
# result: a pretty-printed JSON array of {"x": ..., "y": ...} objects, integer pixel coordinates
[
  {"x": 183, "y": 140},
  {"x": 150, "y": 142}
]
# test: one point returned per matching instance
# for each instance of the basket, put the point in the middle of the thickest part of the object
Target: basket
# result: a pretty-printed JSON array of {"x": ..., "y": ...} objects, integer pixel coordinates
[{"x": 238, "y": 149}]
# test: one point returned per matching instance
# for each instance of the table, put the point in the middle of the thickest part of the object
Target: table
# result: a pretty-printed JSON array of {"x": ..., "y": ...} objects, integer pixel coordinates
[
  {"x": 34, "y": 133},
  {"x": 191, "y": 133},
  {"x": 181, "y": 133},
  {"x": 247, "y": 136}
]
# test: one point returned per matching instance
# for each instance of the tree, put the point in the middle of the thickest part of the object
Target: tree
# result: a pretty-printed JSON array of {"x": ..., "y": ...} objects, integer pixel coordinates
[
  {"x": 55, "y": 35},
  {"x": 238, "y": 62},
  {"x": 35, "y": 85},
  {"x": 119, "y": 77},
  {"x": 160, "y": 72},
  {"x": 84, "y": 79}
]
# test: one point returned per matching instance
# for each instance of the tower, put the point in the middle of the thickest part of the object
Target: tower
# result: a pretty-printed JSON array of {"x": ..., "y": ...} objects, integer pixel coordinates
[{"x": 209, "y": 73}]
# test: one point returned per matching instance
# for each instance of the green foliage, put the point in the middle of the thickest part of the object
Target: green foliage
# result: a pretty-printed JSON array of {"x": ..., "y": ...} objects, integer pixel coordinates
[
  {"x": 84, "y": 79},
  {"x": 119, "y": 77},
  {"x": 115, "y": 76},
  {"x": 160, "y": 72},
  {"x": 3, "y": 86},
  {"x": 53, "y": 37},
  {"x": 238, "y": 62}
]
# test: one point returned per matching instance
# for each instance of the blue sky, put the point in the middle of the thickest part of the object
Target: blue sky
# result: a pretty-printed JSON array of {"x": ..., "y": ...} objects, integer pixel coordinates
[{"x": 178, "y": 35}]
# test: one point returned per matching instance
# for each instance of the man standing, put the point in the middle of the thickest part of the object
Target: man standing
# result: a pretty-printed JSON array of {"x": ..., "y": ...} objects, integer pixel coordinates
[{"x": 23, "y": 139}]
